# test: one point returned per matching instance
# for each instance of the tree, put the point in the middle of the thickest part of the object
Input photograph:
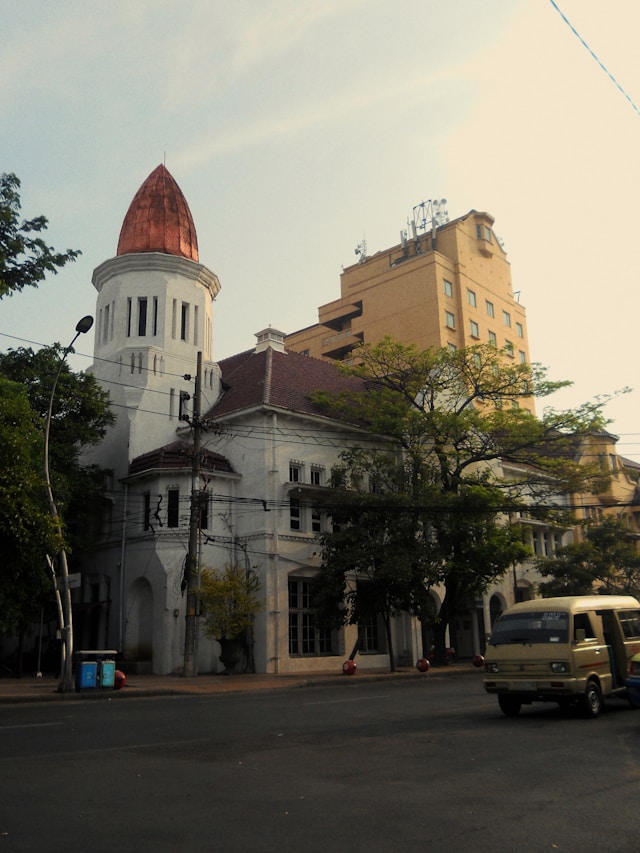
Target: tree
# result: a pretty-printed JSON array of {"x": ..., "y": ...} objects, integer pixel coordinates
[
  {"x": 80, "y": 416},
  {"x": 606, "y": 560},
  {"x": 25, "y": 258},
  {"x": 27, "y": 533},
  {"x": 466, "y": 455},
  {"x": 230, "y": 602}
]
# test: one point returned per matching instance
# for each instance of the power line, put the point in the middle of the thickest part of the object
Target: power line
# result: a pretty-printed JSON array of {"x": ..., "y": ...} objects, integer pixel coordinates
[{"x": 600, "y": 63}]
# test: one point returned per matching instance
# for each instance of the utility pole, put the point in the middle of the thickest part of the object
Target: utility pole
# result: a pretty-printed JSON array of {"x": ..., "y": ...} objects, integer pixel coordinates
[{"x": 192, "y": 570}]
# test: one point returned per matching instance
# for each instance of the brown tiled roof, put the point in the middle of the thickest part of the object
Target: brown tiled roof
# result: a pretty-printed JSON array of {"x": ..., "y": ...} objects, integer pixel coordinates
[
  {"x": 177, "y": 455},
  {"x": 281, "y": 379},
  {"x": 159, "y": 220}
]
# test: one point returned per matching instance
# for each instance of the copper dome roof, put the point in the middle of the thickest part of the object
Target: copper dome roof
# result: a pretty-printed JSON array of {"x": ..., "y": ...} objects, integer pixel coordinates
[{"x": 159, "y": 220}]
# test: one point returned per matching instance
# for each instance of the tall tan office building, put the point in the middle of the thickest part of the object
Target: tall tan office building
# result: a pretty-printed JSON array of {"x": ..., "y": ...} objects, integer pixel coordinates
[{"x": 446, "y": 284}]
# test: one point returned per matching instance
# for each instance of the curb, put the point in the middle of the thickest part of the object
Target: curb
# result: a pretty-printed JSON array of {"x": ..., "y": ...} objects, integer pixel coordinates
[{"x": 28, "y": 692}]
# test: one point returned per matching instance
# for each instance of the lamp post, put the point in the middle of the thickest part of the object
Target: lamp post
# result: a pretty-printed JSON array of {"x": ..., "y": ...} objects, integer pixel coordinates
[{"x": 66, "y": 628}]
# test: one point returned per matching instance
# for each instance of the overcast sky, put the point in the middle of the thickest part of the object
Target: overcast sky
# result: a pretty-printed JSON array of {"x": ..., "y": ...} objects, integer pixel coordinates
[{"x": 298, "y": 128}]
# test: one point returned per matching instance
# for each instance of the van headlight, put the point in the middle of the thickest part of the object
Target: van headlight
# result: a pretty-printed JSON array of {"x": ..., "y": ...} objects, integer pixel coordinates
[
  {"x": 559, "y": 666},
  {"x": 491, "y": 667}
]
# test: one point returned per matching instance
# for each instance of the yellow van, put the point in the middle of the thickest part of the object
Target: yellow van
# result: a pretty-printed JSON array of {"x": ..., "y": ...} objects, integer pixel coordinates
[{"x": 570, "y": 650}]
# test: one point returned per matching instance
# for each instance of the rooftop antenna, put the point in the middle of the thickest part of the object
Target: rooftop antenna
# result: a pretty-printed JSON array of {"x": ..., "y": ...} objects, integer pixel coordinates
[
  {"x": 430, "y": 214},
  {"x": 361, "y": 251}
]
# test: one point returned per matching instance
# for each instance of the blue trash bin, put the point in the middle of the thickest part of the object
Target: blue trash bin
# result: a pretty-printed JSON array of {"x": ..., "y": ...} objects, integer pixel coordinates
[
  {"x": 86, "y": 674},
  {"x": 107, "y": 673}
]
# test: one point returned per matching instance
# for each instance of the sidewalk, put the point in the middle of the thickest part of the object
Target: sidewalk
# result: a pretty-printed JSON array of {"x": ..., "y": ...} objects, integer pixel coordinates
[{"x": 29, "y": 689}]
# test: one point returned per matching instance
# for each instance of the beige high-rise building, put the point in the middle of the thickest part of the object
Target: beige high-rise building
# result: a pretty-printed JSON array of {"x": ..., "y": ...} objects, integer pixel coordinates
[{"x": 443, "y": 285}]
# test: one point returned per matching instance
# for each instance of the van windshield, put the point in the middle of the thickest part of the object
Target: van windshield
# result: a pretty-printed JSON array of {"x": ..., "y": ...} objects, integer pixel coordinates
[{"x": 536, "y": 626}]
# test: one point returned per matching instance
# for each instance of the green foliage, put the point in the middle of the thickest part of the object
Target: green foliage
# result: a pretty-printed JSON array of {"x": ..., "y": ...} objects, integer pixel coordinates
[
  {"x": 469, "y": 454},
  {"x": 607, "y": 559},
  {"x": 26, "y": 529},
  {"x": 25, "y": 258},
  {"x": 80, "y": 416},
  {"x": 229, "y": 598}
]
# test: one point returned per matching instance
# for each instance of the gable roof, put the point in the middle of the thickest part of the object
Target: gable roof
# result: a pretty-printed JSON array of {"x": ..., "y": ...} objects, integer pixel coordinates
[{"x": 281, "y": 379}]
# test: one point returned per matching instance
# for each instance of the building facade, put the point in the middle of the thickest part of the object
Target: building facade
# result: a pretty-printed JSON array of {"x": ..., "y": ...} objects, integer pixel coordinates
[
  {"x": 266, "y": 454},
  {"x": 447, "y": 287}
]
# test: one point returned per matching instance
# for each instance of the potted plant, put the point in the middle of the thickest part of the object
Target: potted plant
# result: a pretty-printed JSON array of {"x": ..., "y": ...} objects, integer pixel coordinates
[{"x": 230, "y": 602}]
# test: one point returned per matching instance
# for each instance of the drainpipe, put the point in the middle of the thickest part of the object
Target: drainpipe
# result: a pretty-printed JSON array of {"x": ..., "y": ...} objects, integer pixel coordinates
[
  {"x": 275, "y": 545},
  {"x": 123, "y": 550}
]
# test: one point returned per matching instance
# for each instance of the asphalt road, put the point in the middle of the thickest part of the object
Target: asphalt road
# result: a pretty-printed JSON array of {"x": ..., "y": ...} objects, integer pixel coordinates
[{"x": 424, "y": 765}]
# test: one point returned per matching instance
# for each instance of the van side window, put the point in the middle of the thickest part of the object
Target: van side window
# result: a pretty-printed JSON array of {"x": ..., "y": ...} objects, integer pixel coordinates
[
  {"x": 582, "y": 621},
  {"x": 630, "y": 622}
]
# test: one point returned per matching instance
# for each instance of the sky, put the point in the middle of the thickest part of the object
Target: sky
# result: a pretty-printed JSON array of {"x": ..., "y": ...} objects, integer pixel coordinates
[{"x": 296, "y": 129}]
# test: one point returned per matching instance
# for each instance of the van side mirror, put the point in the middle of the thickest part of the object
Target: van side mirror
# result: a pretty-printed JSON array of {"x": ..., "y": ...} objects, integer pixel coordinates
[{"x": 580, "y": 635}]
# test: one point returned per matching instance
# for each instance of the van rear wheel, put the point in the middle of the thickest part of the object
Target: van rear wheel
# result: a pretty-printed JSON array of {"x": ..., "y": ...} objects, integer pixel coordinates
[
  {"x": 592, "y": 701},
  {"x": 509, "y": 705}
]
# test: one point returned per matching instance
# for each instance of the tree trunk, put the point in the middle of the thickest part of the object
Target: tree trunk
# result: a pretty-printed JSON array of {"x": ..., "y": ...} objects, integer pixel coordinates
[
  {"x": 387, "y": 628},
  {"x": 445, "y": 616}
]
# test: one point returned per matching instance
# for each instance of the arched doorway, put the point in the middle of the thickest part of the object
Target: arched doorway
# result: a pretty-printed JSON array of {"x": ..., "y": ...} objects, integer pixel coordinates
[{"x": 139, "y": 623}]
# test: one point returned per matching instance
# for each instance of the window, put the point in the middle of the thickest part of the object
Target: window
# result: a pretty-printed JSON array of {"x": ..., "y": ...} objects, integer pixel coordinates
[
  {"x": 452, "y": 347},
  {"x": 173, "y": 507},
  {"x": 490, "y": 309},
  {"x": 155, "y": 315},
  {"x": 184, "y": 321},
  {"x": 508, "y": 347},
  {"x": 317, "y": 476},
  {"x": 493, "y": 338},
  {"x": 450, "y": 320},
  {"x": 295, "y": 472},
  {"x": 316, "y": 520},
  {"x": 304, "y": 637},
  {"x": 630, "y": 621},
  {"x": 519, "y": 330},
  {"x": 146, "y": 511},
  {"x": 448, "y": 287},
  {"x": 473, "y": 328},
  {"x": 522, "y": 356},
  {"x": 294, "y": 514},
  {"x": 506, "y": 318},
  {"x": 105, "y": 329},
  {"x": 204, "y": 511},
  {"x": 582, "y": 622},
  {"x": 142, "y": 316},
  {"x": 129, "y": 317},
  {"x": 471, "y": 298}
]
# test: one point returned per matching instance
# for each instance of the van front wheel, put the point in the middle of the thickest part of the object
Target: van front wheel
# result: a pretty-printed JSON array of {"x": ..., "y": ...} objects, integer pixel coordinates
[
  {"x": 509, "y": 705},
  {"x": 592, "y": 702}
]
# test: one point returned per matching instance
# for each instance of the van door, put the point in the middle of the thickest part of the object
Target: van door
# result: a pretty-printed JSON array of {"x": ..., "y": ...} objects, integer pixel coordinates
[
  {"x": 590, "y": 652},
  {"x": 628, "y": 623}
]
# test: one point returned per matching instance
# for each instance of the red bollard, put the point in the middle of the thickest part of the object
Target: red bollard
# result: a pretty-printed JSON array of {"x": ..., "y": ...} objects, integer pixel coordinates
[
  {"x": 478, "y": 661},
  {"x": 422, "y": 665},
  {"x": 119, "y": 679},
  {"x": 349, "y": 667}
]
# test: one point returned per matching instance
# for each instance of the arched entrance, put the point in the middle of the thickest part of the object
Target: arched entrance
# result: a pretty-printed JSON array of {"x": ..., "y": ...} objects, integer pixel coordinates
[{"x": 139, "y": 622}]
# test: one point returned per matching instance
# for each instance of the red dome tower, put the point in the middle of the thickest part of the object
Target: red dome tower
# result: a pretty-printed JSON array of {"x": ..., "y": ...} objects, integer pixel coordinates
[{"x": 159, "y": 220}]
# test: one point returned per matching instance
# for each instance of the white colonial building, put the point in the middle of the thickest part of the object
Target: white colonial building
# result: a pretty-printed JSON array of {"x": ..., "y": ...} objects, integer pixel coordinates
[{"x": 266, "y": 456}]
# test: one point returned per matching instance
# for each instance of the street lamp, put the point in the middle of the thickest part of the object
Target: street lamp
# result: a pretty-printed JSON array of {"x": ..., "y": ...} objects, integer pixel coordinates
[{"x": 66, "y": 680}]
